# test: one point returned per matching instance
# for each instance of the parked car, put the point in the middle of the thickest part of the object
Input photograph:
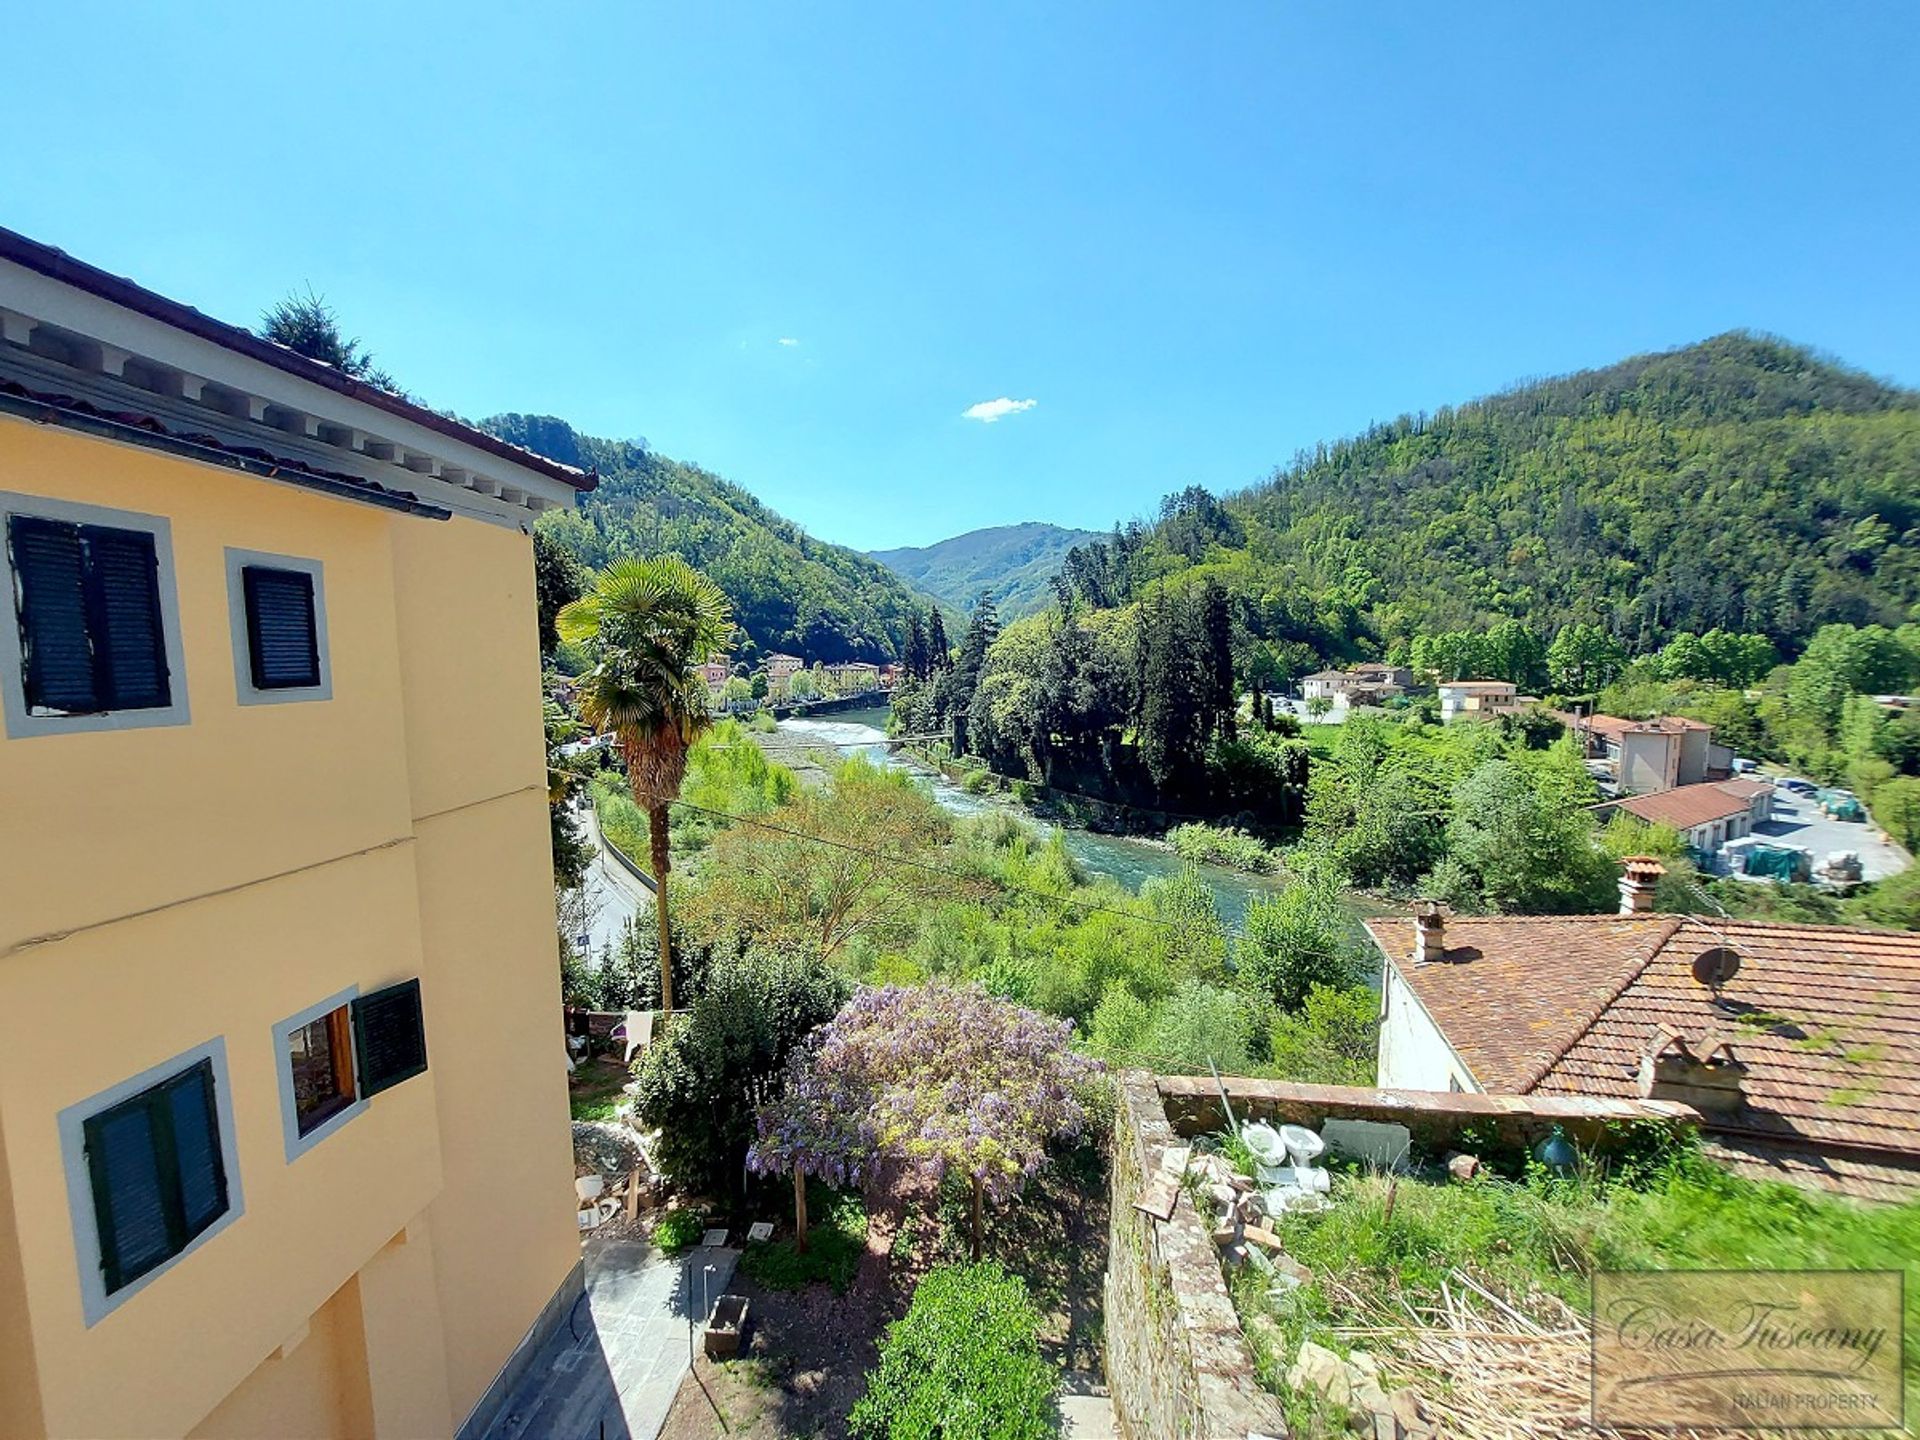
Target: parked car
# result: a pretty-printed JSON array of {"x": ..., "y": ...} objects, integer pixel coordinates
[
  {"x": 1799, "y": 786},
  {"x": 1743, "y": 766}
]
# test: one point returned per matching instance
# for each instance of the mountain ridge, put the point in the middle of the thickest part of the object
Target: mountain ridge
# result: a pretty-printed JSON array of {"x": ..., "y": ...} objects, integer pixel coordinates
[
  {"x": 789, "y": 590},
  {"x": 1016, "y": 562}
]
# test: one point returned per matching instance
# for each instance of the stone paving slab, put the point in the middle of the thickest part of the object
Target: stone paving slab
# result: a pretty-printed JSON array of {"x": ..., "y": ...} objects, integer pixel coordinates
[{"x": 613, "y": 1369}]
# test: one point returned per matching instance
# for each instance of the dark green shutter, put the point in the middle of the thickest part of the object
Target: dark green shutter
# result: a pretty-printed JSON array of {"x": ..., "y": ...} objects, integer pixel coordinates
[
  {"x": 283, "y": 642},
  {"x": 157, "y": 1173},
  {"x": 49, "y": 566},
  {"x": 89, "y": 613},
  {"x": 389, "y": 1037},
  {"x": 130, "y": 648}
]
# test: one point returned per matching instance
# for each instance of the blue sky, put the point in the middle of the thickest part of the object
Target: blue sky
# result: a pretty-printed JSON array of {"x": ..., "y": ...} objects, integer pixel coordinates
[{"x": 797, "y": 244}]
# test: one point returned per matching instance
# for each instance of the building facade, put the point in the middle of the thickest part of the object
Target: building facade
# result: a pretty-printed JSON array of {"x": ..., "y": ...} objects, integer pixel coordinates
[
  {"x": 283, "y": 1121},
  {"x": 1479, "y": 699}
]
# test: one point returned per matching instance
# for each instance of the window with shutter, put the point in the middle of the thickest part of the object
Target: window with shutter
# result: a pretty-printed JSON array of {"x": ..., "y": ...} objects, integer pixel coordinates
[
  {"x": 389, "y": 1037},
  {"x": 92, "y": 635},
  {"x": 283, "y": 642},
  {"x": 158, "y": 1177}
]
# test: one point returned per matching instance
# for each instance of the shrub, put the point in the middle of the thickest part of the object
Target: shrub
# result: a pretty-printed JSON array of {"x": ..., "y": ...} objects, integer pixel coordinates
[
  {"x": 962, "y": 1364},
  {"x": 1331, "y": 1040},
  {"x": 679, "y": 1230},
  {"x": 976, "y": 782},
  {"x": 1222, "y": 845}
]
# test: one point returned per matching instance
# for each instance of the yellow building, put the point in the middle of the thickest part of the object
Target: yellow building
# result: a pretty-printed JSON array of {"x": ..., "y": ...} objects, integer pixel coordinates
[{"x": 283, "y": 1122}]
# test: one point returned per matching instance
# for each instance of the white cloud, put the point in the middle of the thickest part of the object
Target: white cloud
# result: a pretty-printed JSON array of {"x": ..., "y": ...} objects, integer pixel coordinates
[
  {"x": 787, "y": 340},
  {"x": 988, "y": 411}
]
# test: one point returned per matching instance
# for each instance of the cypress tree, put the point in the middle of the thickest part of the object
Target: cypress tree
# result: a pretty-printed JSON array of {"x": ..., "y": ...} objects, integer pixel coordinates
[{"x": 939, "y": 652}]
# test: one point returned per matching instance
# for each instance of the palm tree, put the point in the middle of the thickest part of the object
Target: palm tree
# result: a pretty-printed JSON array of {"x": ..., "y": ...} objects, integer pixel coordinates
[{"x": 648, "y": 624}]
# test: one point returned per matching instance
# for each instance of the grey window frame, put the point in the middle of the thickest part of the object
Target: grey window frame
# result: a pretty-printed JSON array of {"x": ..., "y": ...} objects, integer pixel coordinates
[
  {"x": 245, "y": 690},
  {"x": 298, "y": 1144},
  {"x": 96, "y": 1302},
  {"x": 21, "y": 724}
]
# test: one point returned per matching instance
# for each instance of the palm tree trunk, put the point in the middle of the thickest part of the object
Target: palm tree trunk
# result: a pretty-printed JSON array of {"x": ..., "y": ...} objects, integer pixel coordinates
[{"x": 657, "y": 833}]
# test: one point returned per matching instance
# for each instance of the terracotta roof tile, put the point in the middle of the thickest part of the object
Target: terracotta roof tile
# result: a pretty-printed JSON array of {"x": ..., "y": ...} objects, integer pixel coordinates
[
  {"x": 1686, "y": 806},
  {"x": 1825, "y": 1018},
  {"x": 1511, "y": 993}
]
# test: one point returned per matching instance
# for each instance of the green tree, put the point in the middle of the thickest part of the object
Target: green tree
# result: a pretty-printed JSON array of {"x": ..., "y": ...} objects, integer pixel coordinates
[
  {"x": 1520, "y": 852},
  {"x": 308, "y": 326},
  {"x": 558, "y": 580},
  {"x": 696, "y": 1083},
  {"x": 1843, "y": 660},
  {"x": 1299, "y": 938},
  {"x": 647, "y": 625},
  {"x": 1896, "y": 805},
  {"x": 1582, "y": 658},
  {"x": 1333, "y": 1039}
]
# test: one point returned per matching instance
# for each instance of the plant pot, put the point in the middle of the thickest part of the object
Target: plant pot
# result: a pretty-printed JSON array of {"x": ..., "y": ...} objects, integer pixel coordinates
[{"x": 724, "y": 1327}]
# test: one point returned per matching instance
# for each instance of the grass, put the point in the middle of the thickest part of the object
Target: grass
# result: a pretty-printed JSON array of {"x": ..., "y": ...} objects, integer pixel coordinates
[
  {"x": 594, "y": 1093},
  {"x": 836, "y": 1239},
  {"x": 1548, "y": 1234}
]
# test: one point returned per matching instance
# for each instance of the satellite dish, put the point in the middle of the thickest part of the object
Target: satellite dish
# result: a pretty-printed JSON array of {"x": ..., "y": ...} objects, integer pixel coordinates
[{"x": 1715, "y": 967}]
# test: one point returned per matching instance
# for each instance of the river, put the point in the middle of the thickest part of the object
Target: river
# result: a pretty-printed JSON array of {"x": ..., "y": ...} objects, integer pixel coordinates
[{"x": 1129, "y": 861}]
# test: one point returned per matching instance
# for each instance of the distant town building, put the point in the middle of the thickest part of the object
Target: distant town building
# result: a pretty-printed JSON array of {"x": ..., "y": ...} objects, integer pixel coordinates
[
  {"x": 1478, "y": 699},
  {"x": 1643, "y": 756},
  {"x": 855, "y": 677},
  {"x": 780, "y": 670},
  {"x": 1367, "y": 684}
]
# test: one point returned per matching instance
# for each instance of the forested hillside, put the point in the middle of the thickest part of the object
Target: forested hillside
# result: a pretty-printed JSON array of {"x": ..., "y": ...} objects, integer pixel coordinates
[
  {"x": 789, "y": 591},
  {"x": 1015, "y": 563},
  {"x": 1741, "y": 484}
]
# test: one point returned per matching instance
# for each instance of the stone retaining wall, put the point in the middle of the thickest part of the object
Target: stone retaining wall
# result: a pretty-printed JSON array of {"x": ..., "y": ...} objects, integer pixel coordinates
[
  {"x": 1178, "y": 1367},
  {"x": 1435, "y": 1117}
]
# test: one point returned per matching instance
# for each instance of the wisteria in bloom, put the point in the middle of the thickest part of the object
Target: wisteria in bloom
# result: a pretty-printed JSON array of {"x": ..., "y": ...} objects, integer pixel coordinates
[{"x": 943, "y": 1080}]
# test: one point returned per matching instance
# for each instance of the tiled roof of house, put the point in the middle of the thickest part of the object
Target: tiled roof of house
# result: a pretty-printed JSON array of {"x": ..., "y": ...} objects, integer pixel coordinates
[
  {"x": 48, "y": 408},
  {"x": 1686, "y": 806},
  {"x": 1614, "y": 726},
  {"x": 58, "y": 265},
  {"x": 1511, "y": 993},
  {"x": 1825, "y": 1018},
  {"x": 1479, "y": 686}
]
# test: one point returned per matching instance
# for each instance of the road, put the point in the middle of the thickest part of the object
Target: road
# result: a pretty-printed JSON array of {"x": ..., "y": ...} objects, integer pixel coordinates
[{"x": 614, "y": 895}]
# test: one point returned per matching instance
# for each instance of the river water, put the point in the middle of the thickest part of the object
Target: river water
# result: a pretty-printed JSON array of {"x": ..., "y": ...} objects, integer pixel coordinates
[{"x": 1128, "y": 861}]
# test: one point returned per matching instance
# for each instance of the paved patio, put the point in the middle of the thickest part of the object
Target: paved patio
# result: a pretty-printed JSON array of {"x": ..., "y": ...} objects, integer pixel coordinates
[{"x": 611, "y": 1372}]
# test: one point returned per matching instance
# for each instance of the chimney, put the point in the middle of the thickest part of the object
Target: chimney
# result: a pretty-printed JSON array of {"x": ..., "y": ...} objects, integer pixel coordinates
[
  {"x": 1637, "y": 884},
  {"x": 1712, "y": 1082},
  {"x": 1429, "y": 931}
]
